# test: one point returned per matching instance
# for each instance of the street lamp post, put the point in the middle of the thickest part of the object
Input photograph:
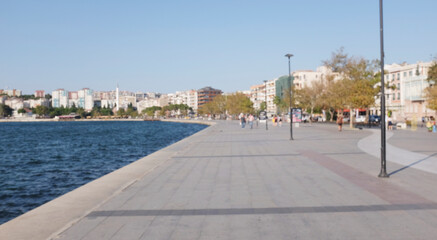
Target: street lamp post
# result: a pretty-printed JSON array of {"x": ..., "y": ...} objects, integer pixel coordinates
[
  {"x": 288, "y": 55},
  {"x": 265, "y": 94},
  {"x": 383, "y": 172}
]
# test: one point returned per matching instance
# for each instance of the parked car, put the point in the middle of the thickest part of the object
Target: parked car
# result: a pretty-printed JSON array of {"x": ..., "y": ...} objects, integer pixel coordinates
[
  {"x": 375, "y": 118},
  {"x": 360, "y": 119}
]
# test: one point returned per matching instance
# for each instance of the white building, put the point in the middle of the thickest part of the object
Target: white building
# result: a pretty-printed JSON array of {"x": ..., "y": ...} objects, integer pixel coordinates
[
  {"x": 192, "y": 99},
  {"x": 60, "y": 98},
  {"x": 15, "y": 103},
  {"x": 305, "y": 78},
  {"x": 407, "y": 100},
  {"x": 257, "y": 95},
  {"x": 33, "y": 103},
  {"x": 162, "y": 101},
  {"x": 82, "y": 98},
  {"x": 11, "y": 92},
  {"x": 271, "y": 94}
]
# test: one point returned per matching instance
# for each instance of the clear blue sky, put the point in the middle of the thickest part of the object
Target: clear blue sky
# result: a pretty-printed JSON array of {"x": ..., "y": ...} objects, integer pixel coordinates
[{"x": 166, "y": 46}]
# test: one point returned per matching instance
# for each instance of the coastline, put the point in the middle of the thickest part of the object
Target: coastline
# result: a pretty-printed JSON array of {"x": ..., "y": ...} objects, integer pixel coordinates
[{"x": 53, "y": 217}]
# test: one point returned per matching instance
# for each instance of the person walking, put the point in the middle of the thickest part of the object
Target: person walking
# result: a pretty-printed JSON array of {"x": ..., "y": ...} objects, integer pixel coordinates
[
  {"x": 243, "y": 121},
  {"x": 390, "y": 123},
  {"x": 429, "y": 125},
  {"x": 340, "y": 122},
  {"x": 251, "y": 118}
]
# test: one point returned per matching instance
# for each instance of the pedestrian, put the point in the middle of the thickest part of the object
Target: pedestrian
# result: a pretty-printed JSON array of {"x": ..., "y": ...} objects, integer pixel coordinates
[
  {"x": 390, "y": 123},
  {"x": 275, "y": 120},
  {"x": 280, "y": 121},
  {"x": 340, "y": 122},
  {"x": 243, "y": 121},
  {"x": 251, "y": 118},
  {"x": 429, "y": 125}
]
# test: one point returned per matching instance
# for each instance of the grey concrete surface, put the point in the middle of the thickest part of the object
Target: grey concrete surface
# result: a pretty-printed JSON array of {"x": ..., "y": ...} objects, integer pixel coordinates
[{"x": 232, "y": 183}]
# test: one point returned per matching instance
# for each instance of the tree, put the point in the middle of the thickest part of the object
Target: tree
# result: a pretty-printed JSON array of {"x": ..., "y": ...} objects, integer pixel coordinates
[
  {"x": 150, "y": 111},
  {"x": 41, "y": 110},
  {"x": 81, "y": 112},
  {"x": 310, "y": 97},
  {"x": 121, "y": 112},
  {"x": 5, "y": 110},
  {"x": 238, "y": 103},
  {"x": 21, "y": 110},
  {"x": 356, "y": 82},
  {"x": 233, "y": 104},
  {"x": 431, "y": 90},
  {"x": 280, "y": 103},
  {"x": 263, "y": 106}
]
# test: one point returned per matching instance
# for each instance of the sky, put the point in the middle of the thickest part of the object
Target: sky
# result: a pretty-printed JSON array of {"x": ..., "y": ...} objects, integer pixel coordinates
[{"x": 166, "y": 46}]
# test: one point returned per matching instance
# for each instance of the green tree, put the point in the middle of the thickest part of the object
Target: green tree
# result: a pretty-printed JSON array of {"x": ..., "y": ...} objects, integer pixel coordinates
[
  {"x": 21, "y": 110},
  {"x": 263, "y": 106},
  {"x": 5, "y": 110},
  {"x": 150, "y": 111},
  {"x": 280, "y": 103},
  {"x": 42, "y": 110},
  {"x": 121, "y": 112},
  {"x": 81, "y": 112}
]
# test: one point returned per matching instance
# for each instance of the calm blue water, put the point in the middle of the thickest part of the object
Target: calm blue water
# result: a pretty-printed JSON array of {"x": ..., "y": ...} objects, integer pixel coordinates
[{"x": 42, "y": 160}]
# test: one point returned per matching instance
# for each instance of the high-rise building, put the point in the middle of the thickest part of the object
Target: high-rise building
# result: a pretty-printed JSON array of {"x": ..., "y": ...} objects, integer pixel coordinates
[
  {"x": 60, "y": 98},
  {"x": 85, "y": 99},
  {"x": 257, "y": 95}
]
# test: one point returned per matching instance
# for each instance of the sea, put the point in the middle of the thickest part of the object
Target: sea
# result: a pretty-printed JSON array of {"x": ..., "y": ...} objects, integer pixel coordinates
[{"x": 40, "y": 161}]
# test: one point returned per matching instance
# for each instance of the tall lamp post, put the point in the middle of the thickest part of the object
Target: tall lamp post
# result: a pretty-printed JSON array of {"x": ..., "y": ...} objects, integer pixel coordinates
[
  {"x": 265, "y": 94},
  {"x": 288, "y": 55},
  {"x": 383, "y": 172}
]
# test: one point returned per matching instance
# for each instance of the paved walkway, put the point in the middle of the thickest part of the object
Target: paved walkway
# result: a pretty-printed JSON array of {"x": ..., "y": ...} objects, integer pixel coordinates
[{"x": 232, "y": 183}]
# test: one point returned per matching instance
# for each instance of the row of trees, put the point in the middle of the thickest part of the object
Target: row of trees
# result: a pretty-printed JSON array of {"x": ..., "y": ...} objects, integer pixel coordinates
[
  {"x": 351, "y": 85},
  {"x": 355, "y": 86},
  {"x": 169, "y": 110},
  {"x": 233, "y": 104}
]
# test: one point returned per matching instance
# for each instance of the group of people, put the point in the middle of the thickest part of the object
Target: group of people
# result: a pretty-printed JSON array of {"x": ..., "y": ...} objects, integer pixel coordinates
[
  {"x": 246, "y": 118},
  {"x": 277, "y": 120}
]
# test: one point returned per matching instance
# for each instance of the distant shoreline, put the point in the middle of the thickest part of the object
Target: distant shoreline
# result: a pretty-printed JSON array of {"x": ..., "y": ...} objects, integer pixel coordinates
[
  {"x": 72, "y": 120},
  {"x": 195, "y": 121}
]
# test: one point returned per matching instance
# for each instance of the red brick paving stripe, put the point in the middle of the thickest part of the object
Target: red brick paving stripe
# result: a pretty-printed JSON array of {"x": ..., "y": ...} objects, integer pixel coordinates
[{"x": 377, "y": 186}]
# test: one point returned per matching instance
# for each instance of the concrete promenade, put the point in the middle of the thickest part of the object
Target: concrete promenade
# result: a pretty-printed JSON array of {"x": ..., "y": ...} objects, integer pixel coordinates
[{"x": 226, "y": 182}]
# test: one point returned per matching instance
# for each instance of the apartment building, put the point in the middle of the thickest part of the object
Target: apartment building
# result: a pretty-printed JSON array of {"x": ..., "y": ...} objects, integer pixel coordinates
[
  {"x": 39, "y": 94},
  {"x": 60, "y": 98},
  {"x": 305, "y": 78},
  {"x": 11, "y": 92},
  {"x": 405, "y": 96},
  {"x": 271, "y": 94},
  {"x": 206, "y": 94},
  {"x": 257, "y": 95},
  {"x": 159, "y": 101},
  {"x": 82, "y": 98}
]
